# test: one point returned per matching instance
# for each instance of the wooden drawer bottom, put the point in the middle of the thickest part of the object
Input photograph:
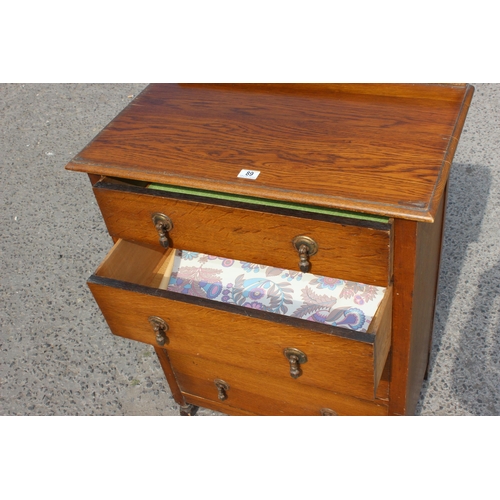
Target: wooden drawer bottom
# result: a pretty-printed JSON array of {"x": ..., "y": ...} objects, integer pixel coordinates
[{"x": 258, "y": 393}]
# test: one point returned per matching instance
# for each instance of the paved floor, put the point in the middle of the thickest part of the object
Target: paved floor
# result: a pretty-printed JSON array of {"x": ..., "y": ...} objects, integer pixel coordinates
[{"x": 57, "y": 355}]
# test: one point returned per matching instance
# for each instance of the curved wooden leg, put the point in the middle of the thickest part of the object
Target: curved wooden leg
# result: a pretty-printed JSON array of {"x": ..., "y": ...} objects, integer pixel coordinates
[{"x": 188, "y": 410}]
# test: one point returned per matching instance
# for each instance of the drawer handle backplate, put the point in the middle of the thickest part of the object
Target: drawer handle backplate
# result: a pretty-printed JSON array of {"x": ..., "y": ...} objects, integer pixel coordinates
[
  {"x": 161, "y": 328},
  {"x": 296, "y": 358},
  {"x": 306, "y": 247},
  {"x": 163, "y": 224},
  {"x": 222, "y": 388}
]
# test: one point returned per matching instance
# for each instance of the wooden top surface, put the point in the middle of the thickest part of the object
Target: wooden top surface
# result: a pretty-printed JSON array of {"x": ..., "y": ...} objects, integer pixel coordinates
[{"x": 381, "y": 149}]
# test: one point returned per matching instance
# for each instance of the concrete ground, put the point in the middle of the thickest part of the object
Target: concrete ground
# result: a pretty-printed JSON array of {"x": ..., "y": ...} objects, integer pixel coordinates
[{"x": 57, "y": 354}]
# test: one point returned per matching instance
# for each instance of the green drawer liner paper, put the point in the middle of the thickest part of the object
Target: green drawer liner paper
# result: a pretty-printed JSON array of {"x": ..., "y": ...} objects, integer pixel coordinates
[{"x": 267, "y": 202}]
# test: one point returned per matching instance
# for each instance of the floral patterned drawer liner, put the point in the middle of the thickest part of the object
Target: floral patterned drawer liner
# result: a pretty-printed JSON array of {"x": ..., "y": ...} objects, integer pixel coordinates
[{"x": 330, "y": 301}]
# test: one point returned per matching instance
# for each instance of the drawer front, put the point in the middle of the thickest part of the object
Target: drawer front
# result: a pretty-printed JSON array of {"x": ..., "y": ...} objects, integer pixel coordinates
[
  {"x": 347, "y": 251},
  {"x": 243, "y": 339},
  {"x": 230, "y": 389}
]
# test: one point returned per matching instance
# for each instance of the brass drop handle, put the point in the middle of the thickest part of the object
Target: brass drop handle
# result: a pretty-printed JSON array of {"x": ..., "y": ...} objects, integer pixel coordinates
[
  {"x": 304, "y": 263},
  {"x": 222, "y": 388},
  {"x": 296, "y": 358},
  {"x": 306, "y": 247},
  {"x": 161, "y": 328},
  {"x": 163, "y": 225}
]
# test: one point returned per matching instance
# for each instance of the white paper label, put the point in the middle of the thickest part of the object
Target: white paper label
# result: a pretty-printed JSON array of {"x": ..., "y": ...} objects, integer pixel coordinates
[{"x": 249, "y": 174}]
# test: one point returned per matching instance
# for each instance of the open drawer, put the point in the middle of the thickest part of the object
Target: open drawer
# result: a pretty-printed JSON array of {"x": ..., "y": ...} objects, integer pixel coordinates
[{"x": 127, "y": 288}]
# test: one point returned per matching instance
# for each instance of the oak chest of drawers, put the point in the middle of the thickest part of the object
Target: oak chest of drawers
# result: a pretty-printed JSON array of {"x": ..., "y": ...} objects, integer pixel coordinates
[{"x": 344, "y": 182}]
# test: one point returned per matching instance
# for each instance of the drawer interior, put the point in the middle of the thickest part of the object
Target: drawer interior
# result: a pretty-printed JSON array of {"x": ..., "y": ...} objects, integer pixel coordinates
[{"x": 139, "y": 264}]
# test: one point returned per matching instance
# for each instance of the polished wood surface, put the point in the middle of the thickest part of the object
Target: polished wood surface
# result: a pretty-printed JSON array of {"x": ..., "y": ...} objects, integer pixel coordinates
[
  {"x": 367, "y": 148},
  {"x": 334, "y": 363},
  {"x": 349, "y": 251},
  {"x": 416, "y": 269},
  {"x": 261, "y": 393},
  {"x": 170, "y": 376}
]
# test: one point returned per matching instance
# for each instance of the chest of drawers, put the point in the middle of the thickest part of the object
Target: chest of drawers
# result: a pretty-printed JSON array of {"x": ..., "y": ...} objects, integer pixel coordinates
[{"x": 347, "y": 182}]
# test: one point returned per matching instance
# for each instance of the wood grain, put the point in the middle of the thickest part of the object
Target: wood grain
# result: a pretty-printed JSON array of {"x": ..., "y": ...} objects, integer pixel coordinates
[
  {"x": 260, "y": 393},
  {"x": 429, "y": 241},
  {"x": 170, "y": 376},
  {"x": 133, "y": 263},
  {"x": 364, "y": 148},
  {"x": 346, "y": 251},
  {"x": 416, "y": 270},
  {"x": 405, "y": 235},
  {"x": 439, "y": 91}
]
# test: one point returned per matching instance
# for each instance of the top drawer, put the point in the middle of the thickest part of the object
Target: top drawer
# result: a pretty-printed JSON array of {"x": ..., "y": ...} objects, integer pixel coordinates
[{"x": 355, "y": 250}]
